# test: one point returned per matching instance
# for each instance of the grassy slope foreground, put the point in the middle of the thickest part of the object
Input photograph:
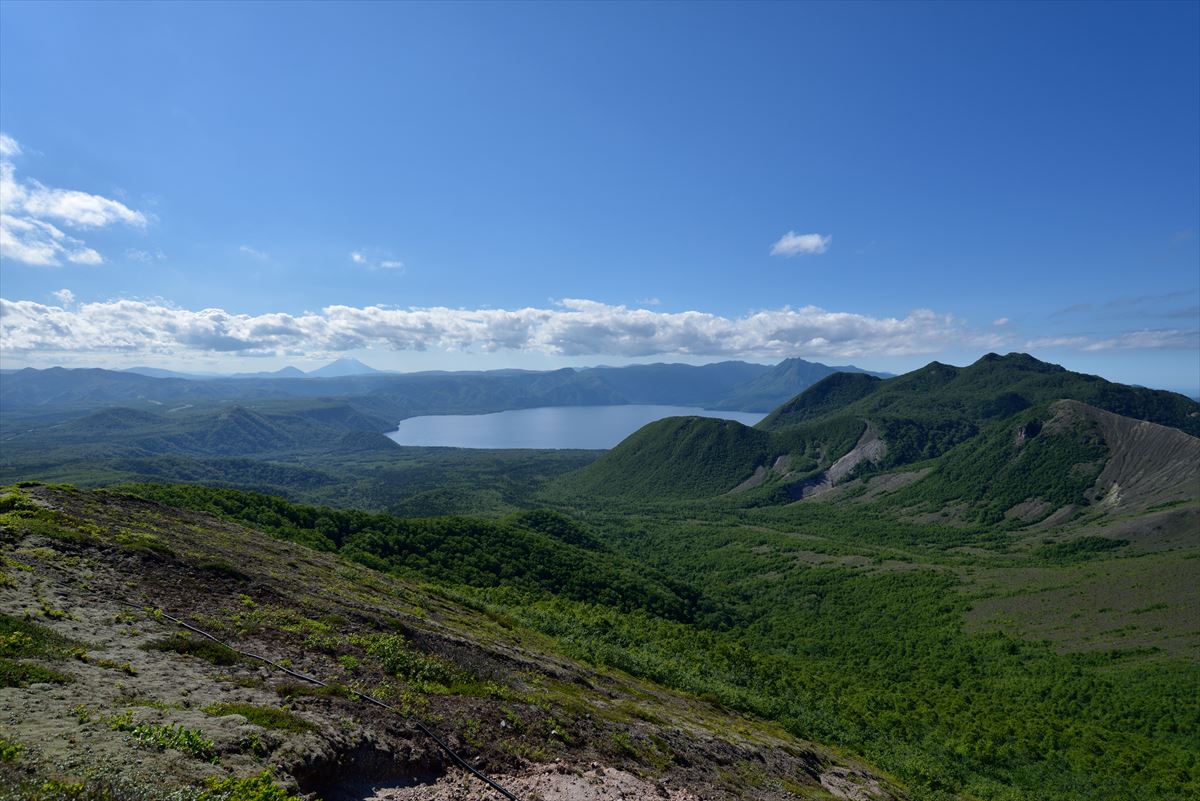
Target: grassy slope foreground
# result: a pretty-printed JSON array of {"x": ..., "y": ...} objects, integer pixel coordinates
[{"x": 103, "y": 700}]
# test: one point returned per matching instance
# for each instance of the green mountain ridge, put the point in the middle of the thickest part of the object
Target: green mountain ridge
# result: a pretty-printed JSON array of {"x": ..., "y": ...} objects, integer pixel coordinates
[
  {"x": 1056, "y": 458},
  {"x": 825, "y": 397},
  {"x": 848, "y": 425}
]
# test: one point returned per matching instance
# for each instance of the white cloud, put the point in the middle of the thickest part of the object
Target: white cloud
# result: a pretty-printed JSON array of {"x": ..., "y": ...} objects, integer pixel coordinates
[
  {"x": 573, "y": 328},
  {"x": 1157, "y": 339},
  {"x": 8, "y": 146},
  {"x": 793, "y": 244},
  {"x": 145, "y": 256},
  {"x": 79, "y": 209},
  {"x": 254, "y": 253},
  {"x": 1072, "y": 342},
  {"x": 40, "y": 243},
  {"x": 64, "y": 296},
  {"x": 85, "y": 256},
  {"x": 649, "y": 302},
  {"x": 1001, "y": 321},
  {"x": 375, "y": 259},
  {"x": 30, "y": 213},
  {"x": 1148, "y": 340}
]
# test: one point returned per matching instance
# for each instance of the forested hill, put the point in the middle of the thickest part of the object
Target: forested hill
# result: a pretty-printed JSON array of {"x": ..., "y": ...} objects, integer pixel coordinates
[
  {"x": 536, "y": 551},
  {"x": 850, "y": 425},
  {"x": 994, "y": 387},
  {"x": 679, "y": 457}
]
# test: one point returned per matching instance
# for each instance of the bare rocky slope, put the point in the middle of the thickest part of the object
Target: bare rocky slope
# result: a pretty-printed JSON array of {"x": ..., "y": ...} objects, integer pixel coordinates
[
  {"x": 1137, "y": 467},
  {"x": 105, "y": 697},
  {"x": 1148, "y": 463}
]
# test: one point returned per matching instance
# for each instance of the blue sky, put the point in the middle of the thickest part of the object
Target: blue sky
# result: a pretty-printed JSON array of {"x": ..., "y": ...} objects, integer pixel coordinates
[{"x": 245, "y": 186}]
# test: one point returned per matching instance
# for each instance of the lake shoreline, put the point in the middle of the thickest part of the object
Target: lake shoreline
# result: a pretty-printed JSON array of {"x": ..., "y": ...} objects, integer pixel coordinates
[{"x": 546, "y": 427}]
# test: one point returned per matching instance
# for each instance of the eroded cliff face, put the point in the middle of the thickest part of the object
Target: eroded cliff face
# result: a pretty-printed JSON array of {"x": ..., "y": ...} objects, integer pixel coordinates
[
  {"x": 869, "y": 448},
  {"x": 107, "y": 695}
]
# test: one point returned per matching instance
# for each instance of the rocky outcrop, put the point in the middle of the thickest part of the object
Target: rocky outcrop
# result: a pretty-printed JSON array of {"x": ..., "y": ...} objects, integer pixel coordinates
[{"x": 869, "y": 448}]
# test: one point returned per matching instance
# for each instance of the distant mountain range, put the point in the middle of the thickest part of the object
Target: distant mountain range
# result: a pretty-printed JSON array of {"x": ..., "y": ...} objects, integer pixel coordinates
[
  {"x": 732, "y": 385},
  {"x": 764, "y": 392},
  {"x": 335, "y": 369},
  {"x": 1005, "y": 437}
]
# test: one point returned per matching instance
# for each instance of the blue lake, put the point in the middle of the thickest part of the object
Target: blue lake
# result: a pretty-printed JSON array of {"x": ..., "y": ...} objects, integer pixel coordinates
[{"x": 591, "y": 427}]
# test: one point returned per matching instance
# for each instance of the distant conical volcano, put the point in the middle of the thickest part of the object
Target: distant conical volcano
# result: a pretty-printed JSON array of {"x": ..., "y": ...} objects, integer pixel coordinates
[{"x": 342, "y": 367}]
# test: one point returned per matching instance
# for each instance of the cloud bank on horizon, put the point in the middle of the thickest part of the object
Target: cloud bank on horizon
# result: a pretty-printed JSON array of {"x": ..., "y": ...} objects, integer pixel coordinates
[{"x": 574, "y": 327}]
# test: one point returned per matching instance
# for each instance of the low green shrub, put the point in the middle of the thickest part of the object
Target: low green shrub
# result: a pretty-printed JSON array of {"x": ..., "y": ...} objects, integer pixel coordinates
[
  {"x": 143, "y": 543},
  {"x": 199, "y": 647},
  {"x": 299, "y": 689},
  {"x": 19, "y": 674},
  {"x": 267, "y": 717},
  {"x": 1075, "y": 550},
  {"x": 10, "y": 751},
  {"x": 254, "y": 788}
]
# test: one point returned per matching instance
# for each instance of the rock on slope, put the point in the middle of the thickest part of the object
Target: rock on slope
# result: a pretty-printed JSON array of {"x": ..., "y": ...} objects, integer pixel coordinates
[{"x": 103, "y": 697}]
